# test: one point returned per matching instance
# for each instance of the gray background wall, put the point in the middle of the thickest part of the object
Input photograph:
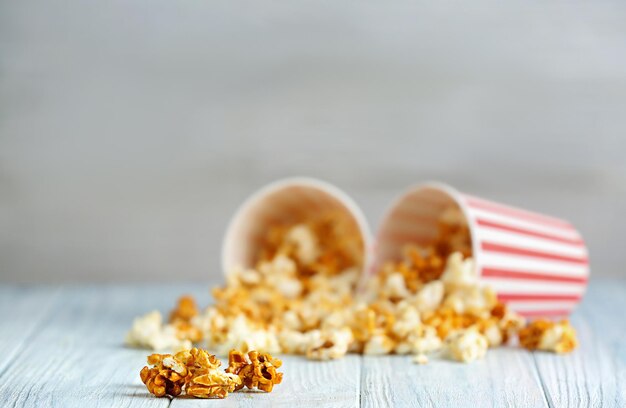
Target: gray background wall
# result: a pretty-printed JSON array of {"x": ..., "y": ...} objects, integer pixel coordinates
[{"x": 131, "y": 129}]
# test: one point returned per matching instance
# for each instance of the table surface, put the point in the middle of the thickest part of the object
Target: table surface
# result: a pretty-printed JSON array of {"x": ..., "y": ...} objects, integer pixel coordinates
[{"x": 62, "y": 346}]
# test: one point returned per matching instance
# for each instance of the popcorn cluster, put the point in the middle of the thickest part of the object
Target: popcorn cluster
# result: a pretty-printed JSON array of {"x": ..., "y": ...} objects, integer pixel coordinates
[
  {"x": 299, "y": 298},
  {"x": 549, "y": 336},
  {"x": 197, "y": 373}
]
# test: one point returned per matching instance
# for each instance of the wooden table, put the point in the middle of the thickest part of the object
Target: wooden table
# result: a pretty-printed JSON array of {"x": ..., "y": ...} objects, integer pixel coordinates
[{"x": 63, "y": 347}]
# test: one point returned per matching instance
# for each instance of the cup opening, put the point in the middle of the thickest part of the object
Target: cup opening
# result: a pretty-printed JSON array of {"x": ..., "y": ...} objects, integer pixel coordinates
[
  {"x": 286, "y": 201},
  {"x": 414, "y": 218}
]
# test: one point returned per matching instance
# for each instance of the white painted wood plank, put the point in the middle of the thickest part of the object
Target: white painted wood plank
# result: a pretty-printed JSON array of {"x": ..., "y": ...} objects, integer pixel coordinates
[
  {"x": 22, "y": 310},
  {"x": 506, "y": 377},
  {"x": 595, "y": 374},
  {"x": 80, "y": 349},
  {"x": 305, "y": 384},
  {"x": 76, "y": 357}
]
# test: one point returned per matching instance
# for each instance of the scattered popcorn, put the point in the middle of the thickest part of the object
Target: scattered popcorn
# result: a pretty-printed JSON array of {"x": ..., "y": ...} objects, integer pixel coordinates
[
  {"x": 300, "y": 297},
  {"x": 242, "y": 335},
  {"x": 549, "y": 336},
  {"x": 466, "y": 345},
  {"x": 149, "y": 332}
]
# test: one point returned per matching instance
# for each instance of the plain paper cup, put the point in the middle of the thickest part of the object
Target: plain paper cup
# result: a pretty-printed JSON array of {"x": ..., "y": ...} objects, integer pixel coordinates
[{"x": 537, "y": 264}]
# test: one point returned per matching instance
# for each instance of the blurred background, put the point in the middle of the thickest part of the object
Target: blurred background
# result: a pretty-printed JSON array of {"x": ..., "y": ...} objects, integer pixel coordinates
[{"x": 130, "y": 130}]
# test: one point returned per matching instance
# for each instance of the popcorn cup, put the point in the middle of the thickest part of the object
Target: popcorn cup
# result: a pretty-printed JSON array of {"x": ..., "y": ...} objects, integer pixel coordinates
[
  {"x": 289, "y": 200},
  {"x": 537, "y": 264}
]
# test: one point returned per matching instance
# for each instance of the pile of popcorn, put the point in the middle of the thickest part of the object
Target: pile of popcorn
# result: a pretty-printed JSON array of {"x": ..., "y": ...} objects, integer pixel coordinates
[
  {"x": 197, "y": 373},
  {"x": 301, "y": 297}
]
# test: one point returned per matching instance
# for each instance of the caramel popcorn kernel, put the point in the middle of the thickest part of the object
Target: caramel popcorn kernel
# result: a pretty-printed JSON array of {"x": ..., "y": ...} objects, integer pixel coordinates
[
  {"x": 256, "y": 370},
  {"x": 185, "y": 310},
  {"x": 166, "y": 377}
]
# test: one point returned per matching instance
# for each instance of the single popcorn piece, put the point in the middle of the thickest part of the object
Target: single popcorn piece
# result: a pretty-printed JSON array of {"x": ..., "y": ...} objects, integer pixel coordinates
[
  {"x": 181, "y": 319},
  {"x": 185, "y": 310},
  {"x": 395, "y": 286},
  {"x": 466, "y": 345},
  {"x": 379, "y": 344},
  {"x": 296, "y": 342},
  {"x": 149, "y": 332},
  {"x": 420, "y": 359},
  {"x": 330, "y": 346},
  {"x": 547, "y": 335},
  {"x": 459, "y": 272},
  {"x": 406, "y": 320},
  {"x": 206, "y": 380},
  {"x": 212, "y": 384},
  {"x": 427, "y": 341},
  {"x": 166, "y": 376},
  {"x": 474, "y": 300},
  {"x": 430, "y": 296},
  {"x": 304, "y": 240},
  {"x": 256, "y": 370}
]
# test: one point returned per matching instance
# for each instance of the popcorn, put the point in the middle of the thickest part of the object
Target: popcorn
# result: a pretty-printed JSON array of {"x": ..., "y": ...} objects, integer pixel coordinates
[
  {"x": 378, "y": 344},
  {"x": 406, "y": 321},
  {"x": 149, "y": 332},
  {"x": 299, "y": 298},
  {"x": 430, "y": 296},
  {"x": 330, "y": 346},
  {"x": 205, "y": 380},
  {"x": 466, "y": 345},
  {"x": 257, "y": 370},
  {"x": 212, "y": 384},
  {"x": 395, "y": 286},
  {"x": 242, "y": 335},
  {"x": 420, "y": 359},
  {"x": 296, "y": 342},
  {"x": 549, "y": 336},
  {"x": 185, "y": 310},
  {"x": 306, "y": 249},
  {"x": 195, "y": 371},
  {"x": 427, "y": 342},
  {"x": 509, "y": 323},
  {"x": 473, "y": 300},
  {"x": 166, "y": 377},
  {"x": 459, "y": 272}
]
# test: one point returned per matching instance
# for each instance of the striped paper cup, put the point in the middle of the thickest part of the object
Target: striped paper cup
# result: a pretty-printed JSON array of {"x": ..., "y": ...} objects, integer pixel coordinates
[
  {"x": 537, "y": 264},
  {"x": 289, "y": 200}
]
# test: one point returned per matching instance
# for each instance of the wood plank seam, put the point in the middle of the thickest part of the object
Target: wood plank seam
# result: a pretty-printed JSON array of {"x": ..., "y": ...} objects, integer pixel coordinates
[
  {"x": 361, "y": 380},
  {"x": 546, "y": 394},
  {"x": 47, "y": 310}
]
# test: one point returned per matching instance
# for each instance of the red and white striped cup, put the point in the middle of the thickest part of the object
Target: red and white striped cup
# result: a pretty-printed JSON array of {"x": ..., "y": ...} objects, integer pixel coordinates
[
  {"x": 537, "y": 264},
  {"x": 286, "y": 200}
]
